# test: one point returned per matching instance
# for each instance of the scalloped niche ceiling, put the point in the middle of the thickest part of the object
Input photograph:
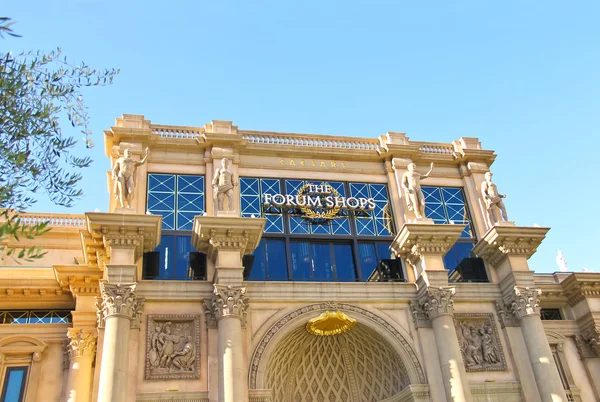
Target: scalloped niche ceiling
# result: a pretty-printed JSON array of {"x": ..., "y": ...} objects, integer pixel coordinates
[{"x": 356, "y": 366}]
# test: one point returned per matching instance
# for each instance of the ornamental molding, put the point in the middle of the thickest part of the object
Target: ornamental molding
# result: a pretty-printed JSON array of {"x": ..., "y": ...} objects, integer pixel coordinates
[
  {"x": 229, "y": 241},
  {"x": 418, "y": 314},
  {"x": 435, "y": 302},
  {"x": 261, "y": 347},
  {"x": 119, "y": 300},
  {"x": 226, "y": 302},
  {"x": 522, "y": 302},
  {"x": 81, "y": 342},
  {"x": 580, "y": 291},
  {"x": 479, "y": 342},
  {"x": 416, "y": 240}
]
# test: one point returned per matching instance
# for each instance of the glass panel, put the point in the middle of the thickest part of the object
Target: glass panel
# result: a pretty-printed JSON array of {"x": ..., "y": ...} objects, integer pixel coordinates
[
  {"x": 321, "y": 228},
  {"x": 276, "y": 260},
  {"x": 341, "y": 226},
  {"x": 166, "y": 248},
  {"x": 40, "y": 317},
  {"x": 259, "y": 268},
  {"x": 322, "y": 264},
  {"x": 383, "y": 251},
  {"x": 344, "y": 262},
  {"x": 161, "y": 183},
  {"x": 190, "y": 200},
  {"x": 293, "y": 186},
  {"x": 456, "y": 254},
  {"x": 359, "y": 190},
  {"x": 185, "y": 220},
  {"x": 301, "y": 263},
  {"x": 368, "y": 259},
  {"x": 365, "y": 227},
  {"x": 182, "y": 256},
  {"x": 61, "y": 317},
  {"x": 379, "y": 192},
  {"x": 16, "y": 317},
  {"x": 298, "y": 225},
  {"x": 274, "y": 224},
  {"x": 339, "y": 187},
  {"x": 14, "y": 384},
  {"x": 250, "y": 196}
]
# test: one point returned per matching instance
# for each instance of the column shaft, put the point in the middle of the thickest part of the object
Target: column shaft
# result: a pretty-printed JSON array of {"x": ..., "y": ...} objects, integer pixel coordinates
[
  {"x": 451, "y": 363},
  {"x": 544, "y": 369},
  {"x": 231, "y": 370},
  {"x": 115, "y": 360},
  {"x": 80, "y": 379}
]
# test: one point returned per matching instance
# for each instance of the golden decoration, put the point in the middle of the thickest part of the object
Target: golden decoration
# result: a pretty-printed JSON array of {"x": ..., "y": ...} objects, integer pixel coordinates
[
  {"x": 309, "y": 213},
  {"x": 330, "y": 323}
]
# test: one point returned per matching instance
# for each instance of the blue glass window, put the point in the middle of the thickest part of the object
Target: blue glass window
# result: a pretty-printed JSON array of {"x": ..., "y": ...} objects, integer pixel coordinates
[
  {"x": 35, "y": 317},
  {"x": 301, "y": 261},
  {"x": 370, "y": 253},
  {"x": 14, "y": 384},
  {"x": 178, "y": 198},
  {"x": 174, "y": 257},
  {"x": 270, "y": 261}
]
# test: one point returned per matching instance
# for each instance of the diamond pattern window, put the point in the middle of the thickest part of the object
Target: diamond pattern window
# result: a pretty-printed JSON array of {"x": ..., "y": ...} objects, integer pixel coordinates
[{"x": 178, "y": 198}]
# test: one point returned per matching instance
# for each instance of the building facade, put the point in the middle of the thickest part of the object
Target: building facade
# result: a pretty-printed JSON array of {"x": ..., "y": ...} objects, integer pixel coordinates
[{"x": 237, "y": 265}]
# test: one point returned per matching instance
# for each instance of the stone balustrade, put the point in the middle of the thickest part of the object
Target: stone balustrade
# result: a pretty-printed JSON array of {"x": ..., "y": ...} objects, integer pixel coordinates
[
  {"x": 185, "y": 133},
  {"x": 312, "y": 141},
  {"x": 53, "y": 220}
]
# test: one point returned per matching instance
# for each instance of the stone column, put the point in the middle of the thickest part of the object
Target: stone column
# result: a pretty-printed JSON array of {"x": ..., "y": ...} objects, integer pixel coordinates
[
  {"x": 423, "y": 246},
  {"x": 228, "y": 307},
  {"x": 507, "y": 248},
  {"x": 523, "y": 304},
  {"x": 225, "y": 240},
  {"x": 119, "y": 308},
  {"x": 81, "y": 349}
]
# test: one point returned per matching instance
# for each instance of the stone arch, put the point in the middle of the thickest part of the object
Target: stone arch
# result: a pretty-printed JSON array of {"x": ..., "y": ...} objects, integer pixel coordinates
[
  {"x": 289, "y": 322},
  {"x": 22, "y": 345}
]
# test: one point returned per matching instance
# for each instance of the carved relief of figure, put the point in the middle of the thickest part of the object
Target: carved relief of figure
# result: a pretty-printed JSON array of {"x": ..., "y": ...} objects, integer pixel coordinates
[
  {"x": 411, "y": 183},
  {"x": 490, "y": 354},
  {"x": 184, "y": 359},
  {"x": 473, "y": 347},
  {"x": 167, "y": 343},
  {"x": 172, "y": 346},
  {"x": 496, "y": 211},
  {"x": 123, "y": 175},
  {"x": 223, "y": 184}
]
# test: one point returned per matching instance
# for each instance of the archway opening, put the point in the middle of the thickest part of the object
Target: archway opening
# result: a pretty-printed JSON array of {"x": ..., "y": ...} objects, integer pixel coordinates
[{"x": 355, "y": 366}]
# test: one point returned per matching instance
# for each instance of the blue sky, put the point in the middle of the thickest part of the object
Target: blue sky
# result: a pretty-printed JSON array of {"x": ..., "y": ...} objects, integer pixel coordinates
[{"x": 523, "y": 76}]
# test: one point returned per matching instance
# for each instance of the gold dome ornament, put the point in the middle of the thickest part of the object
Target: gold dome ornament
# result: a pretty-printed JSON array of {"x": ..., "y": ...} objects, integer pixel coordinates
[{"x": 330, "y": 323}]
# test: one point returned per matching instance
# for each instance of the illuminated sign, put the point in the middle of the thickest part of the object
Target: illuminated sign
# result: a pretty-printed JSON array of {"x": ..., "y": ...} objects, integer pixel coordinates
[{"x": 318, "y": 201}]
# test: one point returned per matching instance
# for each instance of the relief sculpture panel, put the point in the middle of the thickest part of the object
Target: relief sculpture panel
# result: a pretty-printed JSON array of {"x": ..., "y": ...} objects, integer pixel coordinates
[
  {"x": 172, "y": 346},
  {"x": 479, "y": 342}
]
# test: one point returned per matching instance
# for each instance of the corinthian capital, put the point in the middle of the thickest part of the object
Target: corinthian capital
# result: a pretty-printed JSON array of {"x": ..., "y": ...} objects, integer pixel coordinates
[
  {"x": 82, "y": 342},
  {"x": 119, "y": 300},
  {"x": 523, "y": 302},
  {"x": 437, "y": 301},
  {"x": 227, "y": 301}
]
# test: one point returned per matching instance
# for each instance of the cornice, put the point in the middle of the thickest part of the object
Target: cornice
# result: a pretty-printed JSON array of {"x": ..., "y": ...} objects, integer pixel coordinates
[
  {"x": 418, "y": 239},
  {"x": 581, "y": 286},
  {"x": 500, "y": 242},
  {"x": 78, "y": 279},
  {"x": 227, "y": 233},
  {"x": 107, "y": 230}
]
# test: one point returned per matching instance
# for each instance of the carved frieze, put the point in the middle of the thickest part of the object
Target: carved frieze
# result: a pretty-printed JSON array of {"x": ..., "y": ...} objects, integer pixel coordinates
[
  {"x": 119, "y": 300},
  {"x": 227, "y": 301},
  {"x": 479, "y": 342},
  {"x": 172, "y": 346},
  {"x": 82, "y": 342}
]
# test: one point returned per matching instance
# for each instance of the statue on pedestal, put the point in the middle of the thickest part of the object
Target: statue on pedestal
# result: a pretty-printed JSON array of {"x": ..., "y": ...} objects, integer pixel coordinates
[
  {"x": 223, "y": 184},
  {"x": 496, "y": 211},
  {"x": 411, "y": 183},
  {"x": 123, "y": 175}
]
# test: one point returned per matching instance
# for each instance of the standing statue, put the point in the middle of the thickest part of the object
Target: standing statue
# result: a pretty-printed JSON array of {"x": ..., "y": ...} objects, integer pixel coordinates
[
  {"x": 496, "y": 211},
  {"x": 411, "y": 183},
  {"x": 123, "y": 175},
  {"x": 223, "y": 184}
]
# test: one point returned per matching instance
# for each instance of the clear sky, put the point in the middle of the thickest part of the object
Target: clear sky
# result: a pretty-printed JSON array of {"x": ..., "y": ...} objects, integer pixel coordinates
[{"x": 523, "y": 76}]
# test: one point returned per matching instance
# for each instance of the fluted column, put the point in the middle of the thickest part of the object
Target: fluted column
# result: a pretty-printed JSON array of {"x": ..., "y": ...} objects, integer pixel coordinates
[
  {"x": 82, "y": 350},
  {"x": 228, "y": 307},
  {"x": 119, "y": 309}
]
